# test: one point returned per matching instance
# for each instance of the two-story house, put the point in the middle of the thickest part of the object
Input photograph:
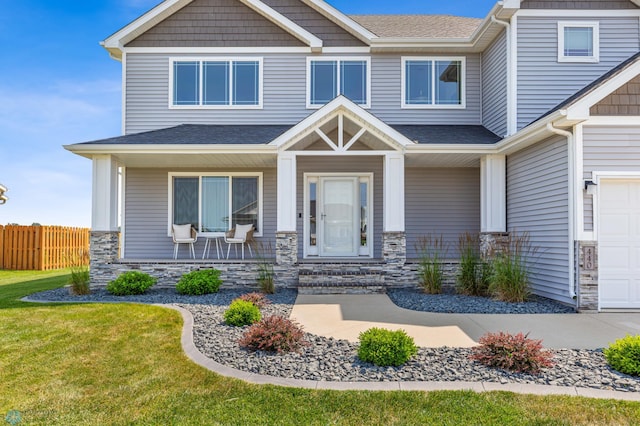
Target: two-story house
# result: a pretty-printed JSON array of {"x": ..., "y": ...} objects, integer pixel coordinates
[{"x": 344, "y": 139}]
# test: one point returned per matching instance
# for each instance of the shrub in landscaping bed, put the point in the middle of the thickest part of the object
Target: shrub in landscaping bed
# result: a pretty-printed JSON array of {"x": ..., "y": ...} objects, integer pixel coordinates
[
  {"x": 386, "y": 347},
  {"x": 201, "y": 282},
  {"x": 241, "y": 313},
  {"x": 431, "y": 250},
  {"x": 257, "y": 299},
  {"x": 512, "y": 352},
  {"x": 471, "y": 278},
  {"x": 274, "y": 334},
  {"x": 509, "y": 280},
  {"x": 623, "y": 355},
  {"x": 131, "y": 283}
]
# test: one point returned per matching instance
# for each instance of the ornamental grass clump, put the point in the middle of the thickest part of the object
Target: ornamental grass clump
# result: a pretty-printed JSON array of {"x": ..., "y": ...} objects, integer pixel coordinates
[
  {"x": 511, "y": 352},
  {"x": 241, "y": 313},
  {"x": 274, "y": 334},
  {"x": 131, "y": 283},
  {"x": 79, "y": 268},
  {"x": 623, "y": 355},
  {"x": 471, "y": 277},
  {"x": 431, "y": 250},
  {"x": 384, "y": 347},
  {"x": 258, "y": 299},
  {"x": 197, "y": 283},
  {"x": 509, "y": 280}
]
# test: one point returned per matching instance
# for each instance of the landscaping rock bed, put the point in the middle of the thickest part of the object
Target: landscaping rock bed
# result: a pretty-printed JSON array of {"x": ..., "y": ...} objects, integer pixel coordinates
[{"x": 336, "y": 360}]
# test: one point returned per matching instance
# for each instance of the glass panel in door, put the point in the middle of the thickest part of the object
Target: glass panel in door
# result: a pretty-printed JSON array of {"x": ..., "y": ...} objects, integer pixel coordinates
[{"x": 339, "y": 218}]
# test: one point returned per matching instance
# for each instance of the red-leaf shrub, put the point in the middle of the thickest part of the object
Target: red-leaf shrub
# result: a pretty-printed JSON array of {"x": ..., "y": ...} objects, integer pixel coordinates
[
  {"x": 512, "y": 352},
  {"x": 258, "y": 299},
  {"x": 274, "y": 334}
]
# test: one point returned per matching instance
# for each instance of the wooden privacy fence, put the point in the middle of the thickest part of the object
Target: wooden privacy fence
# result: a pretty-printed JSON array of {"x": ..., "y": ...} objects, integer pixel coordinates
[{"x": 42, "y": 248}]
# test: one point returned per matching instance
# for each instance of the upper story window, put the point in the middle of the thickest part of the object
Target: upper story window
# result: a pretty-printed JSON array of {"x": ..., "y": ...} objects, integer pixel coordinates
[
  {"x": 216, "y": 83},
  {"x": 216, "y": 202},
  {"x": 433, "y": 82},
  {"x": 578, "y": 41},
  {"x": 330, "y": 77}
]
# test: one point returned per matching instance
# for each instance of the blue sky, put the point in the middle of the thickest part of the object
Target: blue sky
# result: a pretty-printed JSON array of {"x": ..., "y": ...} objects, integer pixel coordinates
[{"x": 58, "y": 86}]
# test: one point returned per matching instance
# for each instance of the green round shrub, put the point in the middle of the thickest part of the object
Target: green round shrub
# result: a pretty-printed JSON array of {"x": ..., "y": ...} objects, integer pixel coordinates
[
  {"x": 386, "y": 347},
  {"x": 623, "y": 355},
  {"x": 241, "y": 312},
  {"x": 131, "y": 283},
  {"x": 196, "y": 283}
]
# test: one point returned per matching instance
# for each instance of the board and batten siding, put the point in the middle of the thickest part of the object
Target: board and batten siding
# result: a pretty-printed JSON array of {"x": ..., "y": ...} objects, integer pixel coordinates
[
  {"x": 543, "y": 82},
  {"x": 443, "y": 202},
  {"x": 352, "y": 164},
  {"x": 146, "y": 213},
  {"x": 610, "y": 149},
  {"x": 284, "y": 95},
  {"x": 538, "y": 204},
  {"x": 494, "y": 86}
]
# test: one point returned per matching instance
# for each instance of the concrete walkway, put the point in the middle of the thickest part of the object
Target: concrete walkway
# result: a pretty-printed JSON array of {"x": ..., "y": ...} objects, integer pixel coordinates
[{"x": 346, "y": 316}]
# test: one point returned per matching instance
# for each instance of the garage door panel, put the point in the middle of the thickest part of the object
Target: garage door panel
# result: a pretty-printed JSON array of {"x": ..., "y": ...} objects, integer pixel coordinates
[{"x": 619, "y": 243}]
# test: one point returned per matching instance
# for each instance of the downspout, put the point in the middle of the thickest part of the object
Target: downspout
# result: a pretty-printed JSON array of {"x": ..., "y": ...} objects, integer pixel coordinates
[
  {"x": 572, "y": 207},
  {"x": 510, "y": 103}
]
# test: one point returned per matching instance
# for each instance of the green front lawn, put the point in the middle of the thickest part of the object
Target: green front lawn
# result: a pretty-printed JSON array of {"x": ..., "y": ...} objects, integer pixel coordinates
[{"x": 122, "y": 364}]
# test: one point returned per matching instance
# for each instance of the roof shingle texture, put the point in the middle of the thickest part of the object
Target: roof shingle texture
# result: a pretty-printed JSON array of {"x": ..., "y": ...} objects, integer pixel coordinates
[{"x": 419, "y": 26}]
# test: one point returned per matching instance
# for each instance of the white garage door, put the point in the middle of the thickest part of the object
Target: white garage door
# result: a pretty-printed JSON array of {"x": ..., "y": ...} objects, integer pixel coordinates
[{"x": 619, "y": 243}]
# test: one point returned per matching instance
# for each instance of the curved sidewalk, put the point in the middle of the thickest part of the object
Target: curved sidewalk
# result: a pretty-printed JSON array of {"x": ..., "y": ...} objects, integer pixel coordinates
[{"x": 199, "y": 358}]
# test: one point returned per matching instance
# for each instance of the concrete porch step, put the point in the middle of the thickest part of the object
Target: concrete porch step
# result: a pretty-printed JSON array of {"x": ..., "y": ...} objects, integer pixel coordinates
[{"x": 340, "y": 280}]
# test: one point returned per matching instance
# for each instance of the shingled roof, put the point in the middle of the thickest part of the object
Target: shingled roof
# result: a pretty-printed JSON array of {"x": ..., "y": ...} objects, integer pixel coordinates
[{"x": 418, "y": 26}]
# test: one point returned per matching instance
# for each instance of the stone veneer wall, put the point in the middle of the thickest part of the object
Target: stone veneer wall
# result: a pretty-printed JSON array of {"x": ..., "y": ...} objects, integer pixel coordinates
[
  {"x": 103, "y": 253},
  {"x": 492, "y": 243},
  {"x": 394, "y": 255},
  {"x": 587, "y": 275},
  {"x": 286, "y": 268}
]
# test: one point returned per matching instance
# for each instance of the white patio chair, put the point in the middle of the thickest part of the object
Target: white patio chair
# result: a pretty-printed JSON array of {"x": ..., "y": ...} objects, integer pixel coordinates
[
  {"x": 241, "y": 234},
  {"x": 183, "y": 234}
]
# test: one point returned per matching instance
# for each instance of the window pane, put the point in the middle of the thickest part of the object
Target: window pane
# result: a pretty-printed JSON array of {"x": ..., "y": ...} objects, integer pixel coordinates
[
  {"x": 186, "y": 83},
  {"x": 323, "y": 81},
  {"x": 245, "y": 83},
  {"x": 215, "y": 204},
  {"x": 245, "y": 201},
  {"x": 185, "y": 201},
  {"x": 418, "y": 83},
  {"x": 312, "y": 214},
  {"x": 449, "y": 83},
  {"x": 578, "y": 41},
  {"x": 353, "y": 80},
  {"x": 364, "y": 214},
  {"x": 216, "y": 83}
]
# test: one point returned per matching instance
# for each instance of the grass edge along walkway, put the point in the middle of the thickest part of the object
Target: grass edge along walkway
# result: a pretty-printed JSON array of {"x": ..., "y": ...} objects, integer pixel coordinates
[{"x": 124, "y": 363}]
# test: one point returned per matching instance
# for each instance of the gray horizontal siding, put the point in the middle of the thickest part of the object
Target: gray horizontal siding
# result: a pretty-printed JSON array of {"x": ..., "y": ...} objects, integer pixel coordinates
[
  {"x": 364, "y": 164},
  {"x": 610, "y": 149},
  {"x": 441, "y": 202},
  {"x": 538, "y": 203},
  {"x": 543, "y": 82},
  {"x": 146, "y": 213},
  {"x": 147, "y": 95},
  {"x": 494, "y": 86}
]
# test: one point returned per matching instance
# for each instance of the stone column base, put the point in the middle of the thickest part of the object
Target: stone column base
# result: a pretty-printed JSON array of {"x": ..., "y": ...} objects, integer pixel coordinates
[
  {"x": 394, "y": 255},
  {"x": 103, "y": 251},
  {"x": 286, "y": 270},
  {"x": 587, "y": 275},
  {"x": 493, "y": 243}
]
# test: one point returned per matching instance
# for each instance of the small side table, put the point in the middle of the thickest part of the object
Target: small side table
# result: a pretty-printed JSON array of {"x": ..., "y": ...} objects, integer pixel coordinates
[{"x": 207, "y": 247}]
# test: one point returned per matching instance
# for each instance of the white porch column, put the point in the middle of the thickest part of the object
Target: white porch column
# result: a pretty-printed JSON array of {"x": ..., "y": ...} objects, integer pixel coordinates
[
  {"x": 394, "y": 192},
  {"x": 104, "y": 206},
  {"x": 493, "y": 193},
  {"x": 286, "y": 192}
]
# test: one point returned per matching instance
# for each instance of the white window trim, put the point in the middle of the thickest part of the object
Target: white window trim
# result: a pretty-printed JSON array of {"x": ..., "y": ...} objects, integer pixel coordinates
[
  {"x": 314, "y": 252},
  {"x": 200, "y": 175},
  {"x": 229, "y": 59},
  {"x": 338, "y": 59},
  {"x": 463, "y": 83},
  {"x": 595, "y": 25}
]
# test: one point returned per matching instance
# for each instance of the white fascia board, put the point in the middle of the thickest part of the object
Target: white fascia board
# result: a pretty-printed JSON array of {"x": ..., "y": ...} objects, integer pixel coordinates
[
  {"x": 579, "y": 110},
  {"x": 117, "y": 40},
  {"x": 424, "y": 148},
  {"x": 341, "y": 102},
  {"x": 637, "y": 2},
  {"x": 342, "y": 20},
  {"x": 529, "y": 134},
  {"x": 285, "y": 23},
  {"x": 89, "y": 150}
]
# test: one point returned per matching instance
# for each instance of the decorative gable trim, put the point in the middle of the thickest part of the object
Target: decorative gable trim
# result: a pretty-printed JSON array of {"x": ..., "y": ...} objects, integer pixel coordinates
[{"x": 342, "y": 106}]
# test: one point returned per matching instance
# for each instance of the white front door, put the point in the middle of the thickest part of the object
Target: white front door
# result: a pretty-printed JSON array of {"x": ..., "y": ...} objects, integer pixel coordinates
[
  {"x": 339, "y": 228},
  {"x": 619, "y": 243}
]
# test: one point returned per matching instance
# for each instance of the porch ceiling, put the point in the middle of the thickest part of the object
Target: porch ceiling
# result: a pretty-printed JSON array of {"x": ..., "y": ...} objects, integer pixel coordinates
[{"x": 442, "y": 160}]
